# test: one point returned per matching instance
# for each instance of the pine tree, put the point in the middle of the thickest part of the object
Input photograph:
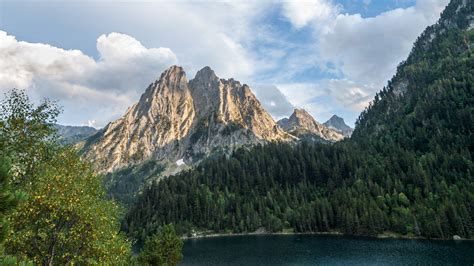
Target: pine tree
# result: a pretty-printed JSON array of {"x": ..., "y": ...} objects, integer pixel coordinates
[{"x": 162, "y": 248}]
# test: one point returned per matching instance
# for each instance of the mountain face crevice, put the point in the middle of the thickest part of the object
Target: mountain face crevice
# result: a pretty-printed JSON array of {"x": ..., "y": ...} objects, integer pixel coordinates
[{"x": 176, "y": 119}]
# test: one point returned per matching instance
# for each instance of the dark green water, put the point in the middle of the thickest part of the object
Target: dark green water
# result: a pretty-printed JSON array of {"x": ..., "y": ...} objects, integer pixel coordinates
[{"x": 324, "y": 250}]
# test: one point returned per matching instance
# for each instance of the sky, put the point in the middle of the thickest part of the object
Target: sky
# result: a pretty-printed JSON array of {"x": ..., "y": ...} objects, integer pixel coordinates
[{"x": 97, "y": 57}]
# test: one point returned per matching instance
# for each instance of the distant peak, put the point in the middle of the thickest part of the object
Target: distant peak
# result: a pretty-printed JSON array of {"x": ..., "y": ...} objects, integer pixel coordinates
[
  {"x": 336, "y": 118},
  {"x": 207, "y": 69},
  {"x": 337, "y": 123},
  {"x": 300, "y": 112}
]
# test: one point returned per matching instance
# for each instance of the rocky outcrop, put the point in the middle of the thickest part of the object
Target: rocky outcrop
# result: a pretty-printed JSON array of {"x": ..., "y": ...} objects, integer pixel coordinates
[
  {"x": 176, "y": 119},
  {"x": 302, "y": 125},
  {"x": 337, "y": 123}
]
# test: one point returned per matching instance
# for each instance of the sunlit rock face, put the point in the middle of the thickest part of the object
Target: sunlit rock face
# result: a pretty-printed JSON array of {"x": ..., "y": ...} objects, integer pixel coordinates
[{"x": 176, "y": 119}]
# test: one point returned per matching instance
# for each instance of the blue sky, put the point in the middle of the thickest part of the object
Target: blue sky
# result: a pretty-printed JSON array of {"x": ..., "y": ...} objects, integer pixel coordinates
[{"x": 96, "y": 58}]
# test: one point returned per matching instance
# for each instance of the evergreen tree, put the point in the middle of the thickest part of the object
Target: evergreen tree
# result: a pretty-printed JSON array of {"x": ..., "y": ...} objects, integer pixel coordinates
[
  {"x": 162, "y": 248},
  {"x": 406, "y": 169}
]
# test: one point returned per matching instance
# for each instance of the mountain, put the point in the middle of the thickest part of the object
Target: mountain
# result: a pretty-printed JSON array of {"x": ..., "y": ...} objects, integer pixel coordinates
[
  {"x": 302, "y": 125},
  {"x": 176, "y": 120},
  {"x": 228, "y": 113},
  {"x": 428, "y": 85},
  {"x": 337, "y": 123},
  {"x": 405, "y": 171},
  {"x": 73, "y": 134}
]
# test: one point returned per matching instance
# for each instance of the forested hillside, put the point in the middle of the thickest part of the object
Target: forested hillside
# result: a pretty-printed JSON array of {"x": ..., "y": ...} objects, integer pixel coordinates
[{"x": 407, "y": 168}]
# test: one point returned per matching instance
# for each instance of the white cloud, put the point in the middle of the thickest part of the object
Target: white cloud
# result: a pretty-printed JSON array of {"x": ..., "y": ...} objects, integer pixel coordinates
[
  {"x": 328, "y": 97},
  {"x": 236, "y": 38},
  {"x": 125, "y": 64},
  {"x": 367, "y": 50},
  {"x": 88, "y": 89},
  {"x": 348, "y": 94},
  {"x": 364, "y": 51},
  {"x": 216, "y": 34},
  {"x": 300, "y": 94},
  {"x": 301, "y": 12}
]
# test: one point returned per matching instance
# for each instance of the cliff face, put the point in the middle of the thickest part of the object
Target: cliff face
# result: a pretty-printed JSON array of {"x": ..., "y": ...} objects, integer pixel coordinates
[
  {"x": 302, "y": 124},
  {"x": 176, "y": 119},
  {"x": 228, "y": 113}
]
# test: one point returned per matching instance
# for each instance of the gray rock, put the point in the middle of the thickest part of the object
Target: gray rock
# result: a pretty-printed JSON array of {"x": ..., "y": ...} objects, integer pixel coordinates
[{"x": 338, "y": 124}]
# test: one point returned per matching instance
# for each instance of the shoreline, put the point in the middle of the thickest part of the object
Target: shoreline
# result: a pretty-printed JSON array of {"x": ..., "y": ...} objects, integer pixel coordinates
[
  {"x": 212, "y": 235},
  {"x": 330, "y": 233}
]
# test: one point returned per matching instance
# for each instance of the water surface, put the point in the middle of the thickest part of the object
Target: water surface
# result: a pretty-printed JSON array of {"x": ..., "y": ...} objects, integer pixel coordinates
[{"x": 324, "y": 250}]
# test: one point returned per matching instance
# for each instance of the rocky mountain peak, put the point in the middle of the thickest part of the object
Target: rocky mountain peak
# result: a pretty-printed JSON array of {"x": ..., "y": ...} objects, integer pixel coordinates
[
  {"x": 337, "y": 123},
  {"x": 301, "y": 114},
  {"x": 336, "y": 119},
  {"x": 174, "y": 78},
  {"x": 205, "y": 81},
  {"x": 302, "y": 124},
  {"x": 206, "y": 75},
  {"x": 172, "y": 85},
  {"x": 176, "y": 119}
]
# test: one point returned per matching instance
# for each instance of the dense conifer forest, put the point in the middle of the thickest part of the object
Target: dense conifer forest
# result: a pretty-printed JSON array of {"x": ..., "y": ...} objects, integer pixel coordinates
[{"x": 407, "y": 169}]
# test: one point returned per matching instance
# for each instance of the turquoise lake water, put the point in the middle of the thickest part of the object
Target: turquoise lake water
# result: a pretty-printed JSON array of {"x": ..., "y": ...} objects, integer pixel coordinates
[{"x": 324, "y": 250}]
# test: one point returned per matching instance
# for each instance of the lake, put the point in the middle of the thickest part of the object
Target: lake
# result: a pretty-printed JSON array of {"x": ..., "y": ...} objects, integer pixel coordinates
[{"x": 324, "y": 250}]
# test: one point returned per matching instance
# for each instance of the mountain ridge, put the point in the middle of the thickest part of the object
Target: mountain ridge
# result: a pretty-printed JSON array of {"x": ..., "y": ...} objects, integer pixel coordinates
[
  {"x": 301, "y": 124},
  {"x": 176, "y": 119}
]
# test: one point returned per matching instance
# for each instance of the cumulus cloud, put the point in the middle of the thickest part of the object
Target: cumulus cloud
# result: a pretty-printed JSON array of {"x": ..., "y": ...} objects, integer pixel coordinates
[
  {"x": 240, "y": 39},
  {"x": 217, "y": 34},
  {"x": 367, "y": 50},
  {"x": 328, "y": 97},
  {"x": 125, "y": 64},
  {"x": 348, "y": 94},
  {"x": 302, "y": 12},
  {"x": 300, "y": 94},
  {"x": 98, "y": 90},
  {"x": 363, "y": 51}
]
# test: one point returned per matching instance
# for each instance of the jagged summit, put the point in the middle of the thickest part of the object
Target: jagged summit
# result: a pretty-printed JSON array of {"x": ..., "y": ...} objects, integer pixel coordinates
[
  {"x": 177, "y": 119},
  {"x": 337, "y": 123},
  {"x": 300, "y": 113},
  {"x": 335, "y": 118},
  {"x": 301, "y": 123},
  {"x": 173, "y": 77},
  {"x": 206, "y": 74}
]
